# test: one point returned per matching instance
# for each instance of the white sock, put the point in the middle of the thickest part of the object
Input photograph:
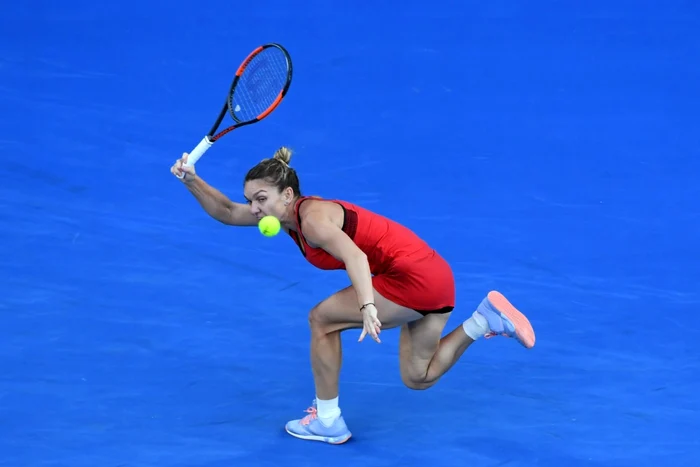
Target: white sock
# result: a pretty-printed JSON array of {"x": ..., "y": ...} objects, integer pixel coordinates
[
  {"x": 328, "y": 411},
  {"x": 476, "y": 326}
]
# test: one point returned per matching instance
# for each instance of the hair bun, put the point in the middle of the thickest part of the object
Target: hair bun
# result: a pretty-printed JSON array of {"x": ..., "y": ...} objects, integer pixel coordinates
[{"x": 283, "y": 154}]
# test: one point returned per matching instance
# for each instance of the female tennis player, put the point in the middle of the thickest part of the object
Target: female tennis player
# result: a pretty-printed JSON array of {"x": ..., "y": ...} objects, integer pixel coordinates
[{"x": 396, "y": 280}]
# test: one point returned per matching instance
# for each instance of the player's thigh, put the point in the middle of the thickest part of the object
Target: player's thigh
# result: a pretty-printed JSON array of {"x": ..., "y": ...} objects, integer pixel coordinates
[
  {"x": 341, "y": 311},
  {"x": 418, "y": 342}
]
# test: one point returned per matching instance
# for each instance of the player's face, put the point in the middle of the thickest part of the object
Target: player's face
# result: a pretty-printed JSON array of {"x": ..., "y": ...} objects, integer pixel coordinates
[{"x": 264, "y": 199}]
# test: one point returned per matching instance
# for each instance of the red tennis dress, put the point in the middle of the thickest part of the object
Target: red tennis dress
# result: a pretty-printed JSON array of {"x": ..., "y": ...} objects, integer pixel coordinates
[{"x": 405, "y": 269}]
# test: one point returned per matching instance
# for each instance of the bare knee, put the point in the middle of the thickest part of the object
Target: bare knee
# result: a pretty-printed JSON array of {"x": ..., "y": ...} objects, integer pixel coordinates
[
  {"x": 414, "y": 378},
  {"x": 322, "y": 320},
  {"x": 416, "y": 385},
  {"x": 318, "y": 320},
  {"x": 326, "y": 318}
]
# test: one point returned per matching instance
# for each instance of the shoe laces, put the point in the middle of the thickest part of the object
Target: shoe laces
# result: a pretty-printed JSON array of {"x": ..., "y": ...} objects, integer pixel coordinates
[
  {"x": 491, "y": 334},
  {"x": 313, "y": 415}
]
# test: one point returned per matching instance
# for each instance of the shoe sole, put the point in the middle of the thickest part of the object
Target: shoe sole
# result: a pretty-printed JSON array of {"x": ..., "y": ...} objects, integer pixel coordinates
[
  {"x": 324, "y": 439},
  {"x": 523, "y": 329}
]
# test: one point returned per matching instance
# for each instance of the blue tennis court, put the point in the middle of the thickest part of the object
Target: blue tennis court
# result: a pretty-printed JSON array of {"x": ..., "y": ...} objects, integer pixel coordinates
[{"x": 548, "y": 150}]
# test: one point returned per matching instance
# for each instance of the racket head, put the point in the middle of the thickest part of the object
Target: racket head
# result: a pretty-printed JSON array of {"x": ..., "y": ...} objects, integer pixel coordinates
[{"x": 260, "y": 84}]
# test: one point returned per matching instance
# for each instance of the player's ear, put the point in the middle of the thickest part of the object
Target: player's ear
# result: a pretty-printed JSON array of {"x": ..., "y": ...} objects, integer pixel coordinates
[{"x": 288, "y": 195}]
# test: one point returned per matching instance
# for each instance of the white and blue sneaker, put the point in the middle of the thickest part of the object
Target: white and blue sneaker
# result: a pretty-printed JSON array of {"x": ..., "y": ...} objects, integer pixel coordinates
[
  {"x": 505, "y": 320},
  {"x": 311, "y": 428}
]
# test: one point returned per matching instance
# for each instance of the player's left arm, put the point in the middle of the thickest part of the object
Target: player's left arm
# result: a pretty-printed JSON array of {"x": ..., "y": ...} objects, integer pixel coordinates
[{"x": 320, "y": 230}]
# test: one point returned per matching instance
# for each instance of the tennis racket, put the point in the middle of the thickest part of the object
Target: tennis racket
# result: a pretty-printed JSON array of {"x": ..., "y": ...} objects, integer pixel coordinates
[{"x": 260, "y": 84}]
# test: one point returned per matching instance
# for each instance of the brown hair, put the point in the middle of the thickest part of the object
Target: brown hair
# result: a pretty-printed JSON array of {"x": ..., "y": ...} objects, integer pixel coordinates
[{"x": 276, "y": 171}]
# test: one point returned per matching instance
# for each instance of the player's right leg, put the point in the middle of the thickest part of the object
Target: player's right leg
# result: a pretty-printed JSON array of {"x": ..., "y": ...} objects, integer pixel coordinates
[{"x": 327, "y": 320}]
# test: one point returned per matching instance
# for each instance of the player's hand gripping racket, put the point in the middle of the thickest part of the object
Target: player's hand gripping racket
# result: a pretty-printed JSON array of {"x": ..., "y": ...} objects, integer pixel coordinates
[{"x": 260, "y": 84}]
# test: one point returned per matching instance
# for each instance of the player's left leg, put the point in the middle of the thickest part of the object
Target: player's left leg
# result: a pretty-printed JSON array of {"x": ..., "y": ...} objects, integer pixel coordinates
[{"x": 425, "y": 357}]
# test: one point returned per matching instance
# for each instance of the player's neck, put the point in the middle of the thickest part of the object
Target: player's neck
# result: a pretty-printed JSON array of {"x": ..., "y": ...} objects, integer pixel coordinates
[{"x": 289, "y": 221}]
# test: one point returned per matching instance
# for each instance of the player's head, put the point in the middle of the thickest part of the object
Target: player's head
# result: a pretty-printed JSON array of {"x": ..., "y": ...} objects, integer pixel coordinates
[{"x": 271, "y": 186}]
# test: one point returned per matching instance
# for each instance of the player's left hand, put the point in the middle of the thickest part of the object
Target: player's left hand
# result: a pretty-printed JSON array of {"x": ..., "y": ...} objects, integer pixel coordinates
[{"x": 371, "y": 324}]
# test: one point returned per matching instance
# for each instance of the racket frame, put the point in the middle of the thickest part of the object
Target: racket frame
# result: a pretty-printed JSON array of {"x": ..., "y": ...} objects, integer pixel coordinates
[{"x": 211, "y": 137}]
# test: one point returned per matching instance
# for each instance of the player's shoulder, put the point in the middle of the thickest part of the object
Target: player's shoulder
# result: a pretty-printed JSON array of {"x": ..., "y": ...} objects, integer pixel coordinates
[
  {"x": 317, "y": 209},
  {"x": 309, "y": 204}
]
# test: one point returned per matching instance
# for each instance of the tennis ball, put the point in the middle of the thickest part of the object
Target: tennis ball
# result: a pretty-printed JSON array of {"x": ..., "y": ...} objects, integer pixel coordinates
[{"x": 269, "y": 226}]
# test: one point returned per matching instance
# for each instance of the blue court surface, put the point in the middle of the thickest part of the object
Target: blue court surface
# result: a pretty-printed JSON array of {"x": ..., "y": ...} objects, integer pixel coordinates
[{"x": 547, "y": 149}]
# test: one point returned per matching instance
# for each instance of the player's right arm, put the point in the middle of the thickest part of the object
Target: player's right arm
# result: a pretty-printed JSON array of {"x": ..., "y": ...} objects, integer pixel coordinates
[{"x": 215, "y": 203}]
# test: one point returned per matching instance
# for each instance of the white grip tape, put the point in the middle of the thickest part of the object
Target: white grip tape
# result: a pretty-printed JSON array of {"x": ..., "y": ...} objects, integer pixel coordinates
[{"x": 197, "y": 152}]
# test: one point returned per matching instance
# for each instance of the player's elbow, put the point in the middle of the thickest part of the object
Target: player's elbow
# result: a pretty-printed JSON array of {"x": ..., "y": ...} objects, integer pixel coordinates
[
  {"x": 356, "y": 258},
  {"x": 236, "y": 214}
]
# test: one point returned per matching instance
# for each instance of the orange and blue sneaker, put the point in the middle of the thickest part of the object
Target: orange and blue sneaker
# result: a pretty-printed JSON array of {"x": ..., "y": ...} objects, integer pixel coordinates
[
  {"x": 311, "y": 428},
  {"x": 505, "y": 320}
]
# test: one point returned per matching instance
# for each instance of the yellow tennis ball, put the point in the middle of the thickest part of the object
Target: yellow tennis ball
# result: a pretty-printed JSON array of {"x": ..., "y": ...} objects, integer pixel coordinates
[{"x": 269, "y": 226}]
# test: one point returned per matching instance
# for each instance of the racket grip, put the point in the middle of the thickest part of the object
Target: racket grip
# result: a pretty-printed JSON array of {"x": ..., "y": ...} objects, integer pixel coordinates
[{"x": 198, "y": 151}]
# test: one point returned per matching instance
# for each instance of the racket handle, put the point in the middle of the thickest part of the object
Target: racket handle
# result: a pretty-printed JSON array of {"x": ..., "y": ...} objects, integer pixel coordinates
[{"x": 198, "y": 151}]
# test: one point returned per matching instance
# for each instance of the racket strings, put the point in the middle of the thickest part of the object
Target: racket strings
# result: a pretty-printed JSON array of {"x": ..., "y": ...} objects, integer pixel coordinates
[{"x": 260, "y": 84}]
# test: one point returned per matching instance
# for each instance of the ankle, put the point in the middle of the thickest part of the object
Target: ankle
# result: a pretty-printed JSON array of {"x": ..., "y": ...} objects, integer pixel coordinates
[
  {"x": 476, "y": 326},
  {"x": 327, "y": 410}
]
